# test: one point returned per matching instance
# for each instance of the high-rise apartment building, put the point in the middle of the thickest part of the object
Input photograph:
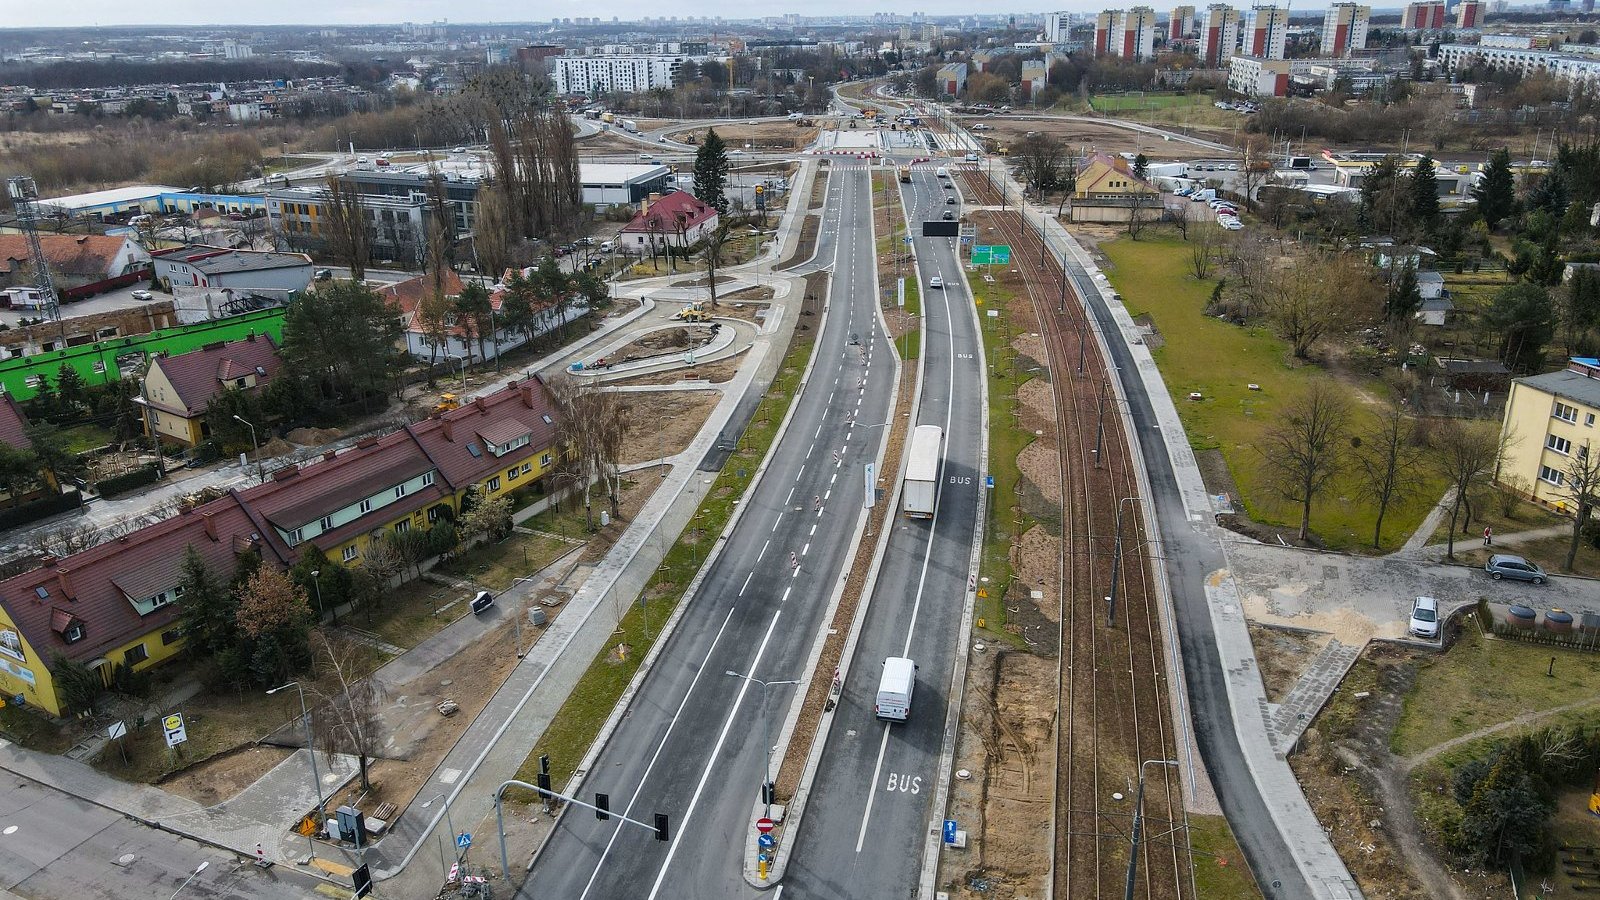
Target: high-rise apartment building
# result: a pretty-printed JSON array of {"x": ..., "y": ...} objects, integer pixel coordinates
[
  {"x": 1344, "y": 28},
  {"x": 1180, "y": 23},
  {"x": 1266, "y": 29},
  {"x": 1424, "y": 15},
  {"x": 1219, "y": 35},
  {"x": 1469, "y": 14}
]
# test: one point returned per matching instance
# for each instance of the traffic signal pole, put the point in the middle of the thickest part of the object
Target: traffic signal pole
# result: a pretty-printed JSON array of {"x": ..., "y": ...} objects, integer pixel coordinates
[{"x": 601, "y": 807}]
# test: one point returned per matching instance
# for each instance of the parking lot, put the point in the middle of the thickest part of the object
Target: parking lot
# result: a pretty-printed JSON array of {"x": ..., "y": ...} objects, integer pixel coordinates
[{"x": 121, "y": 298}]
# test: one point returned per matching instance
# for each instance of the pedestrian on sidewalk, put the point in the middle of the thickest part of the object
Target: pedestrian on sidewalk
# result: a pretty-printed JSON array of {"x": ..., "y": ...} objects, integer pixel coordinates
[{"x": 1488, "y": 536}]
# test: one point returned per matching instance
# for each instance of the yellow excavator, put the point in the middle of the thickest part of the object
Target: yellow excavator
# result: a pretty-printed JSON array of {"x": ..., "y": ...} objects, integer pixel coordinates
[
  {"x": 447, "y": 402},
  {"x": 694, "y": 312}
]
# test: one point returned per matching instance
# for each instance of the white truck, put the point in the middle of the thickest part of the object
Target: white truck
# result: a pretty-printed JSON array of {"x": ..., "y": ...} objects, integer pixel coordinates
[
  {"x": 922, "y": 472},
  {"x": 895, "y": 686},
  {"x": 630, "y": 125}
]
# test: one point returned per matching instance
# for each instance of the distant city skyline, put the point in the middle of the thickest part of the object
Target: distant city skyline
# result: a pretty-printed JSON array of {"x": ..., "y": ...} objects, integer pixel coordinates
[{"x": 105, "y": 13}]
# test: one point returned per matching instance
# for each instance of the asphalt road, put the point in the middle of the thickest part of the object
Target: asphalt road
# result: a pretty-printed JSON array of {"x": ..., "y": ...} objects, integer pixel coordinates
[
  {"x": 869, "y": 814},
  {"x": 1191, "y": 555},
  {"x": 57, "y": 847},
  {"x": 694, "y": 740}
]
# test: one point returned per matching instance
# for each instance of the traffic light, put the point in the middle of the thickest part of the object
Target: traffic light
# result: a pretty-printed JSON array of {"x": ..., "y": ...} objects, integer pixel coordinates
[
  {"x": 602, "y": 803},
  {"x": 662, "y": 833},
  {"x": 544, "y": 784}
]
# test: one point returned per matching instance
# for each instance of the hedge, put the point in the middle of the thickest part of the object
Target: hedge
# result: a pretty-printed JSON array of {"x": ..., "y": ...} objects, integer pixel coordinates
[
  {"x": 121, "y": 484},
  {"x": 39, "y": 509}
]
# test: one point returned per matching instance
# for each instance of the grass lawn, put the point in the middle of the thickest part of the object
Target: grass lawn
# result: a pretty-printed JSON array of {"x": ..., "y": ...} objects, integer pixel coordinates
[
  {"x": 1006, "y": 517},
  {"x": 217, "y": 719},
  {"x": 1219, "y": 866},
  {"x": 32, "y": 730},
  {"x": 83, "y": 438},
  {"x": 1482, "y": 682},
  {"x": 497, "y": 565},
  {"x": 1111, "y": 103},
  {"x": 597, "y": 692},
  {"x": 414, "y": 612},
  {"x": 1172, "y": 109},
  {"x": 1219, "y": 360}
]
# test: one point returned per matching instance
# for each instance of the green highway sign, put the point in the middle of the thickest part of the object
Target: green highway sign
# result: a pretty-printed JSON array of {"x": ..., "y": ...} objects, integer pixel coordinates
[{"x": 991, "y": 254}]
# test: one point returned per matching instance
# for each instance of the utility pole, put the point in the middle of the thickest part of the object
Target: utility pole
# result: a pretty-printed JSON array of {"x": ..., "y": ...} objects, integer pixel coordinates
[
  {"x": 1138, "y": 824},
  {"x": 1116, "y": 563}
]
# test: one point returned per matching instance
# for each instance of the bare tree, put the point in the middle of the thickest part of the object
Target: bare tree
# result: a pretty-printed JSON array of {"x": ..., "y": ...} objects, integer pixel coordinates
[
  {"x": 344, "y": 224},
  {"x": 1136, "y": 216},
  {"x": 1388, "y": 462},
  {"x": 711, "y": 252},
  {"x": 1302, "y": 448},
  {"x": 65, "y": 540},
  {"x": 1203, "y": 249},
  {"x": 1040, "y": 157},
  {"x": 1463, "y": 453},
  {"x": 491, "y": 231},
  {"x": 350, "y": 702},
  {"x": 1321, "y": 295},
  {"x": 591, "y": 428},
  {"x": 1581, "y": 483}
]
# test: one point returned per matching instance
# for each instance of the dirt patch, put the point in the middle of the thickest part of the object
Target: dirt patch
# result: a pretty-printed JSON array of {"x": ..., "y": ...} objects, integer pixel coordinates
[
  {"x": 769, "y": 135},
  {"x": 1283, "y": 656},
  {"x": 223, "y": 777},
  {"x": 667, "y": 342},
  {"x": 1033, "y": 560},
  {"x": 1103, "y": 138},
  {"x": 314, "y": 437},
  {"x": 715, "y": 372},
  {"x": 663, "y": 423},
  {"x": 748, "y": 304},
  {"x": 1006, "y": 732}
]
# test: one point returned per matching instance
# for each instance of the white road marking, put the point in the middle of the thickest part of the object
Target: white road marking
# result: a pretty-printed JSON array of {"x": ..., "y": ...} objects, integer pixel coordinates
[
  {"x": 763, "y": 550},
  {"x": 814, "y": 526},
  {"x": 600, "y": 863},
  {"x": 788, "y": 498},
  {"x": 872, "y": 792},
  {"x": 747, "y": 582},
  {"x": 806, "y": 549}
]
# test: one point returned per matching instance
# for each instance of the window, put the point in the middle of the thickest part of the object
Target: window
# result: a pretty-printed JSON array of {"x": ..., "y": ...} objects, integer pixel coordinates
[
  {"x": 399, "y": 491},
  {"x": 1564, "y": 412},
  {"x": 1551, "y": 476},
  {"x": 294, "y": 537},
  {"x": 1558, "y": 444},
  {"x": 494, "y": 483},
  {"x": 74, "y": 633},
  {"x": 472, "y": 448},
  {"x": 171, "y": 636},
  {"x": 351, "y": 553},
  {"x": 435, "y": 513},
  {"x": 1588, "y": 420},
  {"x": 544, "y": 461},
  {"x": 366, "y": 505},
  {"x": 526, "y": 468},
  {"x": 135, "y": 654},
  {"x": 326, "y": 523},
  {"x": 402, "y": 526},
  {"x": 427, "y": 478},
  {"x": 547, "y": 419},
  {"x": 512, "y": 474}
]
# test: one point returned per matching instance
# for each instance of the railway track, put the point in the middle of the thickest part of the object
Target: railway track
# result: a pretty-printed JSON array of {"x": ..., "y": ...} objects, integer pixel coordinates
[{"x": 1113, "y": 712}]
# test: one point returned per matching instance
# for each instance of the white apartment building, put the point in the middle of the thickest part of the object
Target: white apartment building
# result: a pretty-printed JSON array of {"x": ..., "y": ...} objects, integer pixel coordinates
[
  {"x": 1256, "y": 77},
  {"x": 1219, "y": 35},
  {"x": 1057, "y": 27},
  {"x": 1130, "y": 33},
  {"x": 1580, "y": 70},
  {"x": 596, "y": 75},
  {"x": 1266, "y": 30},
  {"x": 1344, "y": 29}
]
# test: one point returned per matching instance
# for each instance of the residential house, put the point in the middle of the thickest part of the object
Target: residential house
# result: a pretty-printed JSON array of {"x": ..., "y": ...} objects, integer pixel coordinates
[
  {"x": 1436, "y": 303},
  {"x": 118, "y": 603},
  {"x": 678, "y": 220},
  {"x": 459, "y": 343},
  {"x": 1549, "y": 420},
  {"x": 215, "y": 267},
  {"x": 1108, "y": 191},
  {"x": 74, "y": 259},
  {"x": 179, "y": 389},
  {"x": 14, "y": 433}
]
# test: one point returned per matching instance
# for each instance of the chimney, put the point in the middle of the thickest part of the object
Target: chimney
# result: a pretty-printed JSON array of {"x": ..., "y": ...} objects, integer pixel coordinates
[
  {"x": 526, "y": 390},
  {"x": 210, "y": 524},
  {"x": 480, "y": 406},
  {"x": 49, "y": 560},
  {"x": 64, "y": 581},
  {"x": 286, "y": 473},
  {"x": 330, "y": 454},
  {"x": 449, "y": 428},
  {"x": 366, "y": 442}
]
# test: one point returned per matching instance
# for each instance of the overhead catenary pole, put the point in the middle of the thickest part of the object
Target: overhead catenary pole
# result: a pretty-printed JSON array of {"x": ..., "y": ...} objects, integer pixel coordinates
[
  {"x": 1116, "y": 562},
  {"x": 1138, "y": 824}
]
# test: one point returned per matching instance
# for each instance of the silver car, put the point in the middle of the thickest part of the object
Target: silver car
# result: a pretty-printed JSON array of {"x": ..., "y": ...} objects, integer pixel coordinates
[
  {"x": 1425, "y": 618},
  {"x": 1504, "y": 565}
]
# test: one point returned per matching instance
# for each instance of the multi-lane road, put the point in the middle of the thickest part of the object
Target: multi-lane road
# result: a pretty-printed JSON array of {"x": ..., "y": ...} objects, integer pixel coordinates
[
  {"x": 869, "y": 815},
  {"x": 693, "y": 742}
]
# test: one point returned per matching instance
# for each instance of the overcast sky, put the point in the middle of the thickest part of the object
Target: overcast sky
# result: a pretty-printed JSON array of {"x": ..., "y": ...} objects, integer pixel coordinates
[{"x": 366, "y": 12}]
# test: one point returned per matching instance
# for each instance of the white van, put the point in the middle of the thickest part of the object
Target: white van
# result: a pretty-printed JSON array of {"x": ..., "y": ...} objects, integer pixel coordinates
[
  {"x": 895, "y": 687},
  {"x": 942, "y": 172}
]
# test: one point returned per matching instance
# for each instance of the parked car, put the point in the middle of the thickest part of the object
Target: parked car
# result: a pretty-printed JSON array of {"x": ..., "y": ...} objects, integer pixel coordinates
[
  {"x": 1424, "y": 618},
  {"x": 1233, "y": 225},
  {"x": 936, "y": 282},
  {"x": 141, "y": 294},
  {"x": 324, "y": 275},
  {"x": 1504, "y": 565}
]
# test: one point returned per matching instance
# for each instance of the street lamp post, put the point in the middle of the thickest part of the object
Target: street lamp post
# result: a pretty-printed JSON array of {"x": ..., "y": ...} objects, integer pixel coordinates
[
  {"x": 197, "y": 870},
  {"x": 311, "y": 751},
  {"x": 260, "y": 473},
  {"x": 1138, "y": 824},
  {"x": 448, "y": 823},
  {"x": 766, "y": 774},
  {"x": 1116, "y": 562},
  {"x": 462, "y": 362},
  {"x": 316, "y": 582}
]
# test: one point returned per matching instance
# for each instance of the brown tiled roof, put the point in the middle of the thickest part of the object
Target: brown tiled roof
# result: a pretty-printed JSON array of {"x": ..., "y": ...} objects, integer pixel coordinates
[
  {"x": 408, "y": 295},
  {"x": 665, "y": 215},
  {"x": 328, "y": 486},
  {"x": 199, "y": 375},
  {"x": 13, "y": 424},
  {"x": 84, "y": 585},
  {"x": 447, "y": 438},
  {"x": 81, "y": 255},
  {"x": 504, "y": 431}
]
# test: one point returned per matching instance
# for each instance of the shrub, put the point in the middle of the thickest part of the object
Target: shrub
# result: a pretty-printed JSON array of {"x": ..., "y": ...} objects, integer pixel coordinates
[{"x": 121, "y": 484}]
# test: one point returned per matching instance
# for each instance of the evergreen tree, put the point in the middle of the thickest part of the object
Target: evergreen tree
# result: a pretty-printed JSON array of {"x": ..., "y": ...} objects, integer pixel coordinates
[
  {"x": 711, "y": 172},
  {"x": 53, "y": 455},
  {"x": 1525, "y": 320},
  {"x": 1583, "y": 299},
  {"x": 1379, "y": 207},
  {"x": 1405, "y": 298},
  {"x": 1141, "y": 166},
  {"x": 1550, "y": 194},
  {"x": 1496, "y": 192},
  {"x": 1424, "y": 188},
  {"x": 208, "y": 609},
  {"x": 71, "y": 392}
]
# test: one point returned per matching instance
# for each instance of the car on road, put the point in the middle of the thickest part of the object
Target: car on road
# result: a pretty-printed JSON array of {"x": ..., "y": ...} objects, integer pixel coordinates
[
  {"x": 1424, "y": 618},
  {"x": 141, "y": 294},
  {"x": 482, "y": 602},
  {"x": 936, "y": 282},
  {"x": 948, "y": 216},
  {"x": 951, "y": 198},
  {"x": 324, "y": 275},
  {"x": 458, "y": 149},
  {"x": 1505, "y": 565}
]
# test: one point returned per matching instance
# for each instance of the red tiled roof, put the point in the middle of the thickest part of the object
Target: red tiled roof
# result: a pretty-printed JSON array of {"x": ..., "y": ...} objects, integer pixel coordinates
[
  {"x": 199, "y": 375},
  {"x": 665, "y": 216},
  {"x": 408, "y": 295},
  {"x": 13, "y": 424},
  {"x": 68, "y": 254},
  {"x": 84, "y": 585},
  {"x": 450, "y": 438}
]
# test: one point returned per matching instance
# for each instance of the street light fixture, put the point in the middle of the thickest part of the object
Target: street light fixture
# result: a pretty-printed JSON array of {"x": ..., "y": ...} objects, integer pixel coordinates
[
  {"x": 1138, "y": 823},
  {"x": 766, "y": 774},
  {"x": 197, "y": 870},
  {"x": 448, "y": 823},
  {"x": 311, "y": 752},
  {"x": 316, "y": 582},
  {"x": 260, "y": 473}
]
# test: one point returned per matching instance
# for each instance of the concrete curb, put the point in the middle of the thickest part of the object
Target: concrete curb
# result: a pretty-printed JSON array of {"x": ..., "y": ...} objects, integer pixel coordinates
[
  {"x": 620, "y": 709},
  {"x": 795, "y": 809}
]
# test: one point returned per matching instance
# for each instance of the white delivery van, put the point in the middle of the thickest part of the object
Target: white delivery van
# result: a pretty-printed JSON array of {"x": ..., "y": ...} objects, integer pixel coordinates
[
  {"x": 921, "y": 486},
  {"x": 895, "y": 687}
]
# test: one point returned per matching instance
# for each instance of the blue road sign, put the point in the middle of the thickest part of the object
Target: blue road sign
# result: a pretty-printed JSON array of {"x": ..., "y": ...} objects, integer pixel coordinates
[
  {"x": 988, "y": 481},
  {"x": 463, "y": 840},
  {"x": 766, "y": 841},
  {"x": 949, "y": 831}
]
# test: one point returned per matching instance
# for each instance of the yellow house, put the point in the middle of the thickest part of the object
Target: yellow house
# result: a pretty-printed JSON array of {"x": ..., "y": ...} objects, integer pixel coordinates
[
  {"x": 179, "y": 389},
  {"x": 1108, "y": 191},
  {"x": 1550, "y": 421}
]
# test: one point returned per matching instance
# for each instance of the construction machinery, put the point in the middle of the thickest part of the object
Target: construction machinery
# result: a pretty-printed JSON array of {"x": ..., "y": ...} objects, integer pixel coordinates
[
  {"x": 447, "y": 402},
  {"x": 25, "y": 200},
  {"x": 694, "y": 312}
]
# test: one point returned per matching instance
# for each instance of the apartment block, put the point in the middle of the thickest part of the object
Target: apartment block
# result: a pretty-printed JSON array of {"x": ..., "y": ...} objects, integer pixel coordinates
[
  {"x": 1180, "y": 23},
  {"x": 1550, "y": 420},
  {"x": 1266, "y": 29},
  {"x": 1219, "y": 35},
  {"x": 596, "y": 75},
  {"x": 1130, "y": 33},
  {"x": 1469, "y": 14},
  {"x": 1344, "y": 29},
  {"x": 1425, "y": 15}
]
